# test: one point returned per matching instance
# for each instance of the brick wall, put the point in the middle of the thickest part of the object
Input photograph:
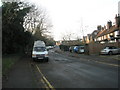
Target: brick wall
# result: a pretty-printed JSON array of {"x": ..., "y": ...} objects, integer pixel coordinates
[{"x": 95, "y": 48}]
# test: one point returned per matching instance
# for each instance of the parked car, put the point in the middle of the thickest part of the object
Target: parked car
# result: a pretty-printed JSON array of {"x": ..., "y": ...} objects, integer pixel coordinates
[
  {"x": 81, "y": 49},
  {"x": 49, "y": 47},
  {"x": 110, "y": 50},
  {"x": 71, "y": 48},
  {"x": 76, "y": 48}
]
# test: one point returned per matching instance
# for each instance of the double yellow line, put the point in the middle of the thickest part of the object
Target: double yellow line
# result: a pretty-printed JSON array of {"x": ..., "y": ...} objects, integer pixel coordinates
[{"x": 45, "y": 81}]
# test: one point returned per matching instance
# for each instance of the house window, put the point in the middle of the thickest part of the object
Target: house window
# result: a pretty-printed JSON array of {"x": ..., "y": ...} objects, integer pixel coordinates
[
  {"x": 108, "y": 35},
  {"x": 95, "y": 33},
  {"x": 102, "y": 37},
  {"x": 111, "y": 34},
  {"x": 116, "y": 33},
  {"x": 105, "y": 37},
  {"x": 112, "y": 41},
  {"x": 95, "y": 40},
  {"x": 98, "y": 38}
]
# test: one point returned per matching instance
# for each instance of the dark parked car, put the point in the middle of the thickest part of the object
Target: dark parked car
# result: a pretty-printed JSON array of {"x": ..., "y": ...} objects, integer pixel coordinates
[{"x": 71, "y": 48}]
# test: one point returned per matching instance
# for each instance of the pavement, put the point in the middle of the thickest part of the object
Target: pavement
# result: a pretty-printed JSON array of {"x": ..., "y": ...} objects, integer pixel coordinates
[{"x": 22, "y": 75}]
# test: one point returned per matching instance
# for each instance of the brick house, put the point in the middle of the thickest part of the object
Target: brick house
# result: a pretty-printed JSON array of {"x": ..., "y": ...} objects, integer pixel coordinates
[{"x": 110, "y": 34}]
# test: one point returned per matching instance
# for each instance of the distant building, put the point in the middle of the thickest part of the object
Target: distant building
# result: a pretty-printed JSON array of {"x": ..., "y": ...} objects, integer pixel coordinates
[
  {"x": 58, "y": 43},
  {"x": 108, "y": 33},
  {"x": 111, "y": 33}
]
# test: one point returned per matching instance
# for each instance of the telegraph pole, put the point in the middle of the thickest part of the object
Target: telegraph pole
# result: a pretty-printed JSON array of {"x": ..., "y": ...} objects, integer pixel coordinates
[{"x": 82, "y": 32}]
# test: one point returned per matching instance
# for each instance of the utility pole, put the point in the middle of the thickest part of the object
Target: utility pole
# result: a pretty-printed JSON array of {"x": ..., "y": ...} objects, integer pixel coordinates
[{"x": 82, "y": 32}]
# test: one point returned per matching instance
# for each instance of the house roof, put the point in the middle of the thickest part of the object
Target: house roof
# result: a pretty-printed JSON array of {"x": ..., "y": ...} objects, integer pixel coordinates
[
  {"x": 93, "y": 33},
  {"x": 100, "y": 33},
  {"x": 106, "y": 31}
]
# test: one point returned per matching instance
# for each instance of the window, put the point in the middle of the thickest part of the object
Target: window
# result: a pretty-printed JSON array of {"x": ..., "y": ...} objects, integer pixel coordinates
[
  {"x": 116, "y": 33},
  {"x": 39, "y": 49},
  {"x": 110, "y": 47}
]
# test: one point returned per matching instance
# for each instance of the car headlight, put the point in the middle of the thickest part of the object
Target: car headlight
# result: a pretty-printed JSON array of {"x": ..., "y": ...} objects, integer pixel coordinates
[
  {"x": 33, "y": 55},
  {"x": 46, "y": 55}
]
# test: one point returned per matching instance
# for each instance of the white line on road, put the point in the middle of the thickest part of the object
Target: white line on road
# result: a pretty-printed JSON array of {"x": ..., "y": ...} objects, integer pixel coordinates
[{"x": 108, "y": 64}]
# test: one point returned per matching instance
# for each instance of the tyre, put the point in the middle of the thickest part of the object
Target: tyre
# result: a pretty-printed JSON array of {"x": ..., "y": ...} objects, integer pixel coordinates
[
  {"x": 110, "y": 53},
  {"x": 47, "y": 59},
  {"x": 33, "y": 59}
]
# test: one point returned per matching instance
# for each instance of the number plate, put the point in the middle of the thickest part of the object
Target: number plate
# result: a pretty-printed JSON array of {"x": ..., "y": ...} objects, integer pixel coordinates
[{"x": 40, "y": 58}]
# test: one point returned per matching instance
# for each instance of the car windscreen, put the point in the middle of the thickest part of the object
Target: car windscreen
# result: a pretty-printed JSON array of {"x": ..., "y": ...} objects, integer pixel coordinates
[
  {"x": 39, "y": 49},
  {"x": 106, "y": 48},
  {"x": 111, "y": 47},
  {"x": 81, "y": 47}
]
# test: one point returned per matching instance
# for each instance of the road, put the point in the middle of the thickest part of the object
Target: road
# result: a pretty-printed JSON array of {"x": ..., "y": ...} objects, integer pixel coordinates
[{"x": 66, "y": 70}]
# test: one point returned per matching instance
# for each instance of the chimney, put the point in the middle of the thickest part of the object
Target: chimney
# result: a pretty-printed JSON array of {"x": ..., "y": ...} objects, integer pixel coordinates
[
  {"x": 99, "y": 27},
  {"x": 109, "y": 25},
  {"x": 104, "y": 27},
  {"x": 117, "y": 20}
]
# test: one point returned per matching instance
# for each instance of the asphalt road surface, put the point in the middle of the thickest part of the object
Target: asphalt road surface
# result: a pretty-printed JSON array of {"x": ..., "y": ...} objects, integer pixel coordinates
[{"x": 64, "y": 70}]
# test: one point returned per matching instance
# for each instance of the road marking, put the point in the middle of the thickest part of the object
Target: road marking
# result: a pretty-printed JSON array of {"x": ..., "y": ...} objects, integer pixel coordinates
[
  {"x": 47, "y": 88},
  {"x": 46, "y": 81},
  {"x": 108, "y": 64},
  {"x": 116, "y": 58}
]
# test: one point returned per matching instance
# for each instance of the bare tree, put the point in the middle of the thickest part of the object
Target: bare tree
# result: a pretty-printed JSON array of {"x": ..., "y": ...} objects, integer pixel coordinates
[
  {"x": 68, "y": 36},
  {"x": 37, "y": 20}
]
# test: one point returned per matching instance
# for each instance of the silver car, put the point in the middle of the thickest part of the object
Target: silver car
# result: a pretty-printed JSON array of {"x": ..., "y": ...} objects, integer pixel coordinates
[{"x": 110, "y": 50}]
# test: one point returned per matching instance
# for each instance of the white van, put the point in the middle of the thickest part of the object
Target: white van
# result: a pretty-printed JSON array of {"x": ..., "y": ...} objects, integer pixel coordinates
[{"x": 39, "y": 51}]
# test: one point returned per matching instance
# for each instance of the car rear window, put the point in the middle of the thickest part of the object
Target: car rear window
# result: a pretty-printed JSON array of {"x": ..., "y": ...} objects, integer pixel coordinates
[
  {"x": 82, "y": 47},
  {"x": 110, "y": 47}
]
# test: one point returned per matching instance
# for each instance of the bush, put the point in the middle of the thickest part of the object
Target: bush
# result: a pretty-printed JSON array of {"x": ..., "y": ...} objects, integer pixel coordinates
[{"x": 64, "y": 47}]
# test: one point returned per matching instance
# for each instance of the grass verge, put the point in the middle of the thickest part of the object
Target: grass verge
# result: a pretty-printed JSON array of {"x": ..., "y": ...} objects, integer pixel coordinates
[{"x": 8, "y": 61}]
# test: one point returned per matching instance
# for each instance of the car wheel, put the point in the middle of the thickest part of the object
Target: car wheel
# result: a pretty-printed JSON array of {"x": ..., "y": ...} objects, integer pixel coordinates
[
  {"x": 110, "y": 53},
  {"x": 33, "y": 59},
  {"x": 47, "y": 60}
]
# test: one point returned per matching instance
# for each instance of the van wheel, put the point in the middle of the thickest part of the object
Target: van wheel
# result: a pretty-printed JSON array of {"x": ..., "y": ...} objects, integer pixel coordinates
[
  {"x": 47, "y": 60},
  {"x": 33, "y": 59},
  {"x": 110, "y": 53}
]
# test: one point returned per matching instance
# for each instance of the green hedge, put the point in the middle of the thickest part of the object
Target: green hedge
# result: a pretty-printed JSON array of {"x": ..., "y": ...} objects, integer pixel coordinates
[{"x": 64, "y": 47}]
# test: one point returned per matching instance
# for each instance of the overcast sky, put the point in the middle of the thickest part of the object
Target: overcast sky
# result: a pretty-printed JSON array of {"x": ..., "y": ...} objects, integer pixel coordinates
[{"x": 70, "y": 16}]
